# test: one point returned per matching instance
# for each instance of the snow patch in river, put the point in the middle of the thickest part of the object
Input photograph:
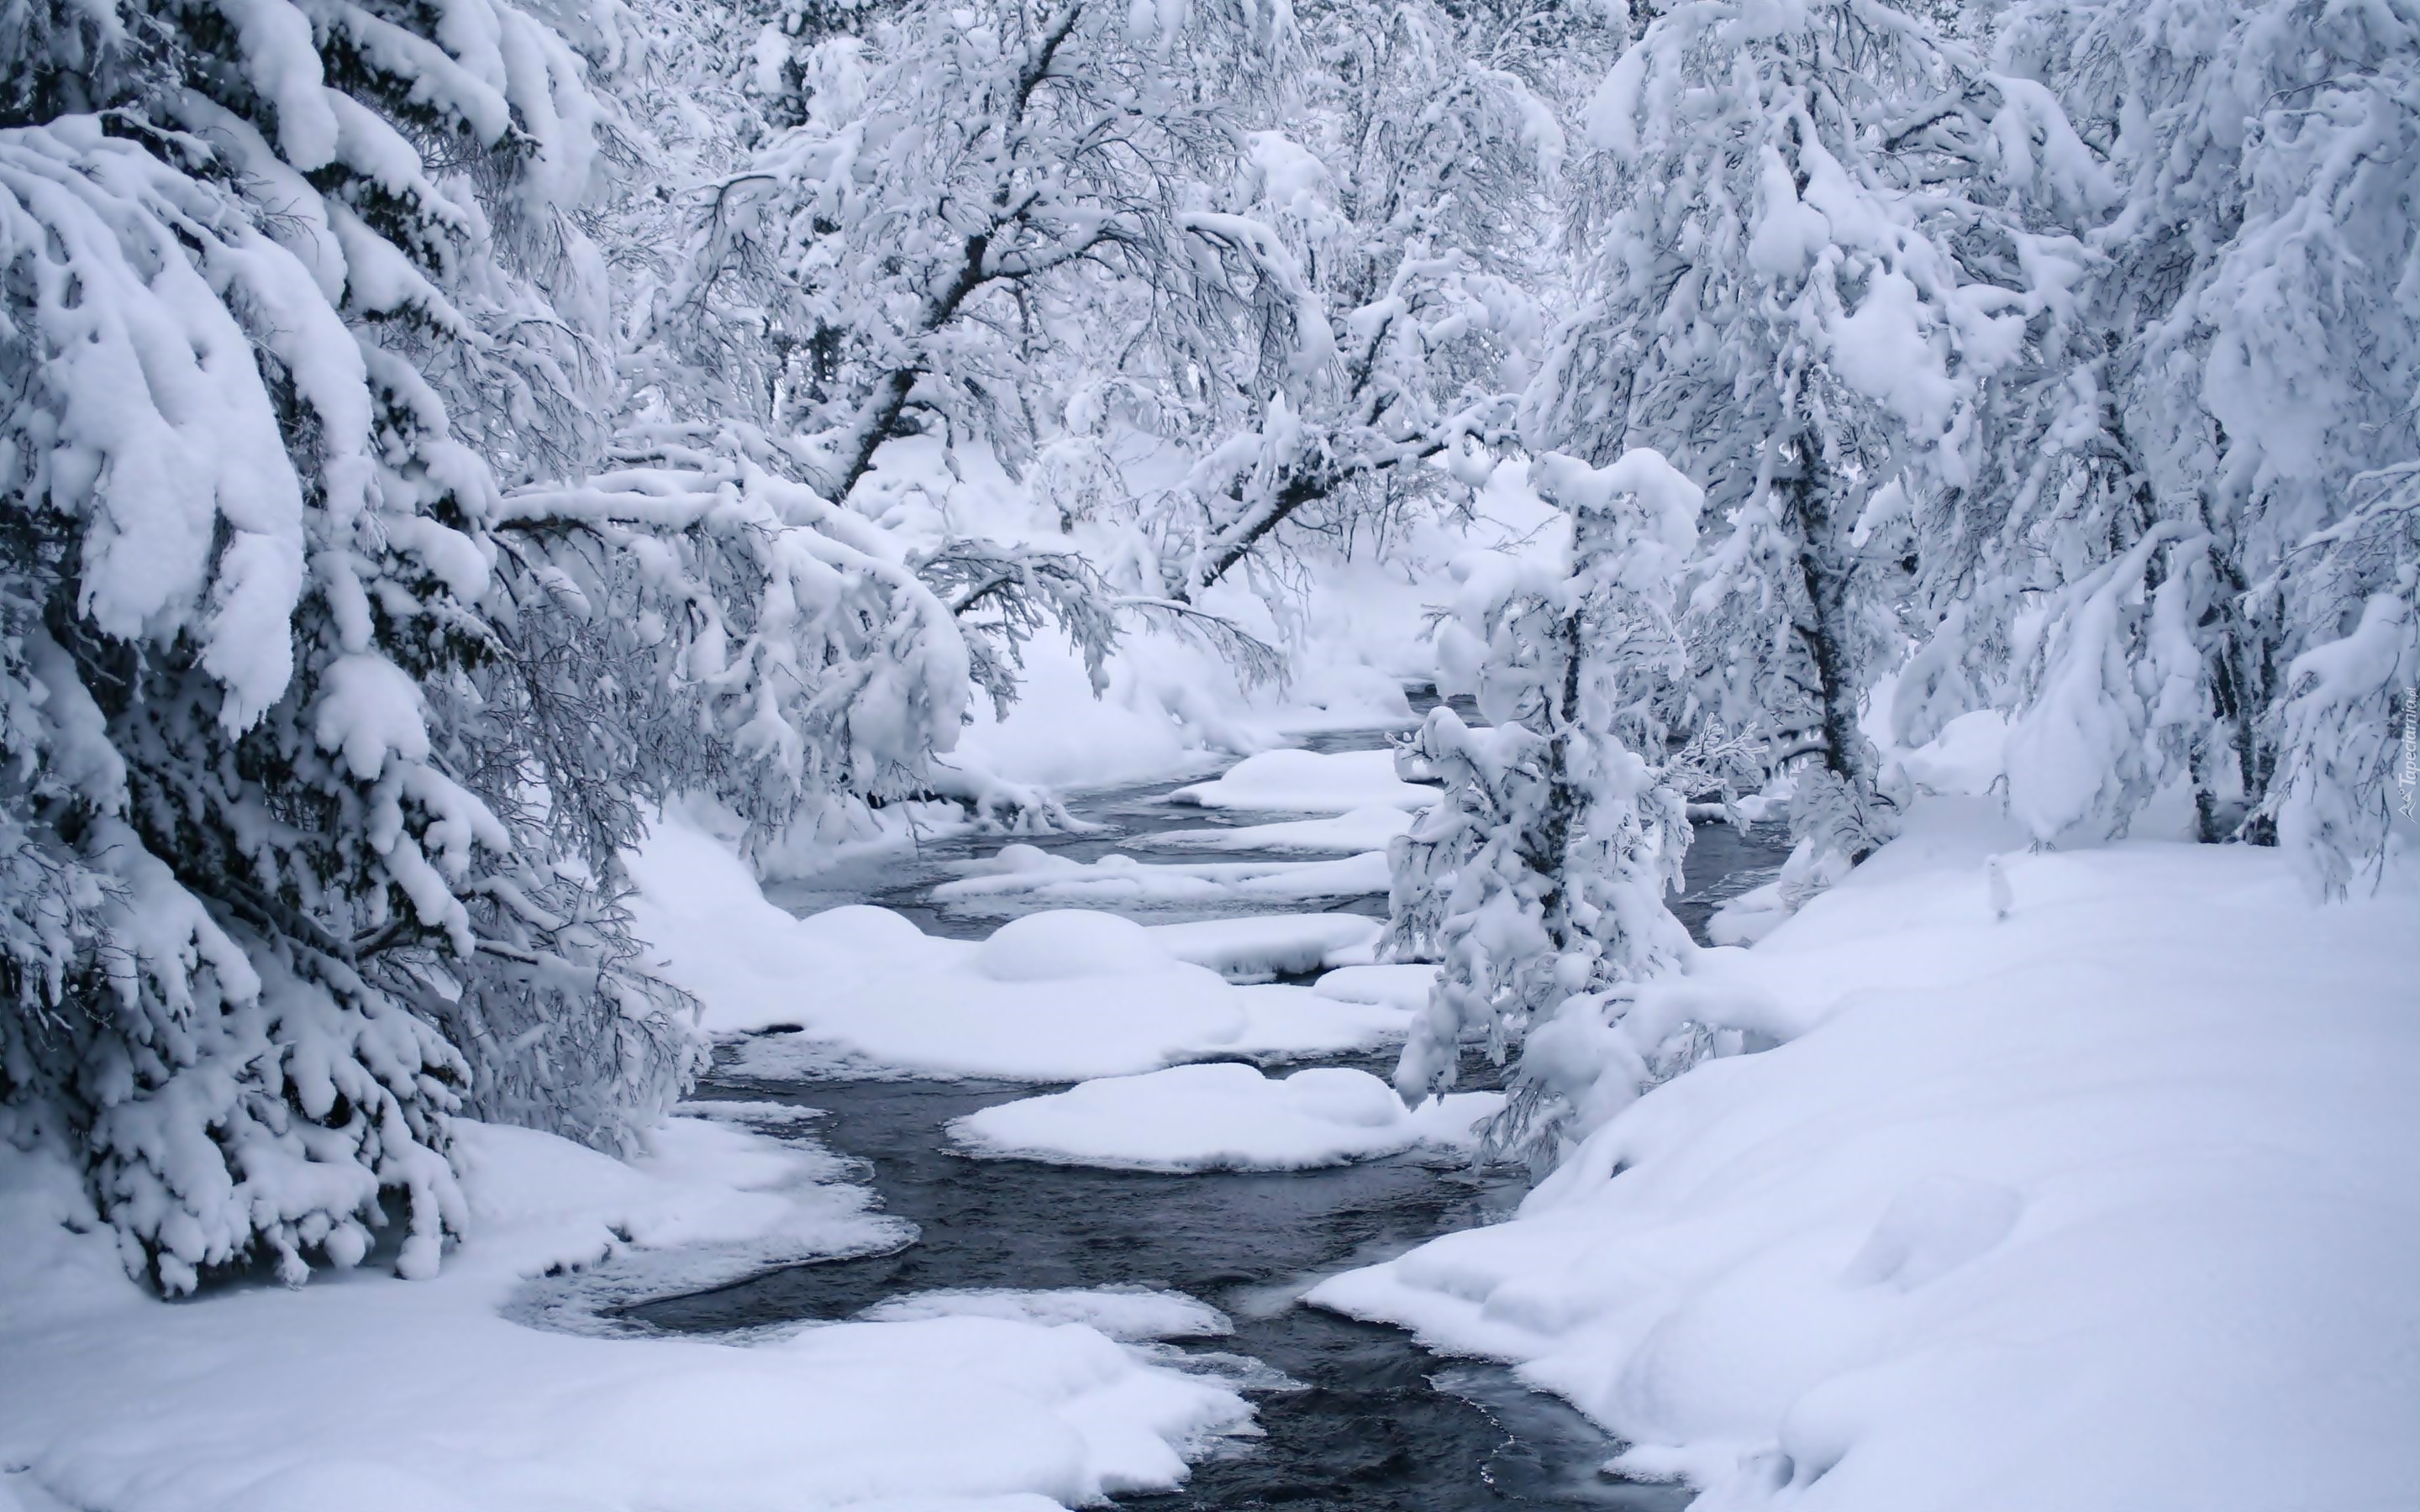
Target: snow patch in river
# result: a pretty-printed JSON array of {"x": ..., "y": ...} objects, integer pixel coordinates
[
  {"x": 1303, "y": 781},
  {"x": 1130, "y": 1313},
  {"x": 1020, "y": 873},
  {"x": 1273, "y": 945},
  {"x": 1226, "y": 1117},
  {"x": 1366, "y": 829}
]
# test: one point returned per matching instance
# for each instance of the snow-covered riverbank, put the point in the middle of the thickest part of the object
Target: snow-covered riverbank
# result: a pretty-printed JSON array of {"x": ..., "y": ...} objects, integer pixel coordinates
[
  {"x": 2106, "y": 1203},
  {"x": 2109, "y": 1204}
]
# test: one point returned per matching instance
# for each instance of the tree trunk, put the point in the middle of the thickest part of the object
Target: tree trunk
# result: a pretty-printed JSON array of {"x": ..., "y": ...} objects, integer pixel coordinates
[{"x": 1827, "y": 572}]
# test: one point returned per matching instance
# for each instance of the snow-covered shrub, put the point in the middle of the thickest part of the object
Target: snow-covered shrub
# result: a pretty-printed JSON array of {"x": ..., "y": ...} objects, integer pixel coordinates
[
  {"x": 2348, "y": 701},
  {"x": 2110, "y": 690},
  {"x": 727, "y": 314},
  {"x": 1539, "y": 880},
  {"x": 259, "y": 358},
  {"x": 170, "y": 736}
]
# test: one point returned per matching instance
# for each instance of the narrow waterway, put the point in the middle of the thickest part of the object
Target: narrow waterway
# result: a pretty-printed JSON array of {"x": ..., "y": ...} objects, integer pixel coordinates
[{"x": 1355, "y": 1416}]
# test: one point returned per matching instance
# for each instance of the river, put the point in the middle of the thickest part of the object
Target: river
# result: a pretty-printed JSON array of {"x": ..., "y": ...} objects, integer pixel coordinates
[{"x": 1356, "y": 1416}]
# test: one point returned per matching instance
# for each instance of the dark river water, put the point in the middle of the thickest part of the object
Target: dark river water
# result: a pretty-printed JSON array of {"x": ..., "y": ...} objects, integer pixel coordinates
[{"x": 1365, "y": 1418}]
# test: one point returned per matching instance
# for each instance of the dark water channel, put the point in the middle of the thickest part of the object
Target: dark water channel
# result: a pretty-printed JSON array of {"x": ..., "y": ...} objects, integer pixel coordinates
[
  {"x": 1365, "y": 1420},
  {"x": 1116, "y": 816}
]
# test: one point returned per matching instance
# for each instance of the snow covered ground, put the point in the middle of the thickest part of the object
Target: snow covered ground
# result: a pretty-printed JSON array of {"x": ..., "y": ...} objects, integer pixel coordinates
[
  {"x": 2110, "y": 1204},
  {"x": 258, "y": 1400},
  {"x": 998, "y": 1399},
  {"x": 1226, "y": 1117}
]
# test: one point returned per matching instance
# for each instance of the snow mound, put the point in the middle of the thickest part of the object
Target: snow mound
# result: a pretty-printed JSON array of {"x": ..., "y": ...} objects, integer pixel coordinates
[
  {"x": 359, "y": 1485},
  {"x": 1271, "y": 945},
  {"x": 1134, "y": 1314},
  {"x": 1368, "y": 828},
  {"x": 711, "y": 1200},
  {"x": 1222, "y": 1117},
  {"x": 1019, "y": 875},
  {"x": 858, "y": 929},
  {"x": 1052, "y": 997},
  {"x": 1965, "y": 759},
  {"x": 1067, "y": 943},
  {"x": 1303, "y": 781},
  {"x": 1401, "y": 986},
  {"x": 2037, "y": 1211},
  {"x": 950, "y": 1406}
]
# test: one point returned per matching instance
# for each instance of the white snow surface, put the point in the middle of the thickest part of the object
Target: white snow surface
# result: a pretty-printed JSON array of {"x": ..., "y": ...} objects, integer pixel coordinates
[
  {"x": 1056, "y": 995},
  {"x": 1367, "y": 828},
  {"x": 1223, "y": 1118},
  {"x": 1405, "y": 985},
  {"x": 2110, "y": 1204},
  {"x": 1269, "y": 945},
  {"x": 1173, "y": 709},
  {"x": 258, "y": 1400},
  {"x": 1134, "y": 1313},
  {"x": 1966, "y": 758},
  {"x": 1304, "y": 781},
  {"x": 1019, "y": 870}
]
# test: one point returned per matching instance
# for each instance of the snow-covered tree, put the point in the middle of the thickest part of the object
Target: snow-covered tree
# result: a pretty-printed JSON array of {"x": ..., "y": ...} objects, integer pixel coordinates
[
  {"x": 1811, "y": 250},
  {"x": 1539, "y": 880},
  {"x": 325, "y": 715},
  {"x": 714, "y": 104},
  {"x": 1371, "y": 276},
  {"x": 1282, "y": 258},
  {"x": 240, "y": 538},
  {"x": 2245, "y": 389},
  {"x": 968, "y": 224},
  {"x": 924, "y": 250}
]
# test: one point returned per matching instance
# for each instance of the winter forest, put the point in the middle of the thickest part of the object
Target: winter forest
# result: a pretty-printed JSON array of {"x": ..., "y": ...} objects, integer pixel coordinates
[{"x": 766, "y": 755}]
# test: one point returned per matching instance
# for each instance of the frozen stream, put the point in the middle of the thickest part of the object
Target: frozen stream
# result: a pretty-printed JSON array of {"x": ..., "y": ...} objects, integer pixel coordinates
[{"x": 1370, "y": 1420}]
